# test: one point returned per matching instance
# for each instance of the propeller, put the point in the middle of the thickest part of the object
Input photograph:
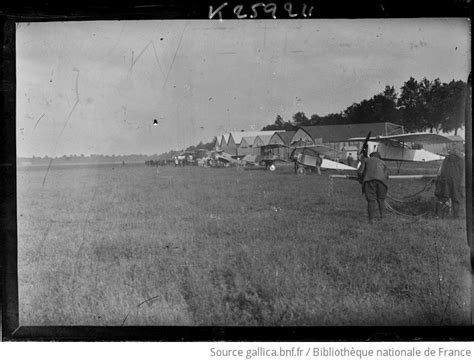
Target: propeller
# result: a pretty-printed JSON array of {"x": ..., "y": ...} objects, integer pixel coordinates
[{"x": 365, "y": 147}]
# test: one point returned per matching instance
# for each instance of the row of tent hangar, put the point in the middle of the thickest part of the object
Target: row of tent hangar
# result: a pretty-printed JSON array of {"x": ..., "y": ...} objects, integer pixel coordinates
[{"x": 242, "y": 143}]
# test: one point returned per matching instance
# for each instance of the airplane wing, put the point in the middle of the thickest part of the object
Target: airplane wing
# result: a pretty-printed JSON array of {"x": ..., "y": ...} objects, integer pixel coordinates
[
  {"x": 274, "y": 145},
  {"x": 390, "y": 153},
  {"x": 311, "y": 159},
  {"x": 333, "y": 165},
  {"x": 321, "y": 149},
  {"x": 419, "y": 137},
  {"x": 317, "y": 148},
  {"x": 225, "y": 157}
]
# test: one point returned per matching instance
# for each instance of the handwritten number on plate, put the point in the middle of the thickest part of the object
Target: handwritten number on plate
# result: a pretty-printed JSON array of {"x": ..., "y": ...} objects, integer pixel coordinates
[
  {"x": 254, "y": 9},
  {"x": 218, "y": 10},
  {"x": 289, "y": 8},
  {"x": 237, "y": 11},
  {"x": 271, "y": 8}
]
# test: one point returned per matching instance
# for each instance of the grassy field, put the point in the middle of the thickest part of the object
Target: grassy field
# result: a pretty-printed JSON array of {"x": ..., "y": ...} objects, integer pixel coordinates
[{"x": 113, "y": 245}]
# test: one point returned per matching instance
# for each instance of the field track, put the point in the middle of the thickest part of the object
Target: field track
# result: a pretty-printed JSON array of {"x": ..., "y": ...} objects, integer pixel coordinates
[{"x": 136, "y": 245}]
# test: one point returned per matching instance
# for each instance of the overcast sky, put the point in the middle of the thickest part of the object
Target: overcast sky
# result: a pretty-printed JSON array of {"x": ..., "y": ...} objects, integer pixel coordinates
[{"x": 96, "y": 87}]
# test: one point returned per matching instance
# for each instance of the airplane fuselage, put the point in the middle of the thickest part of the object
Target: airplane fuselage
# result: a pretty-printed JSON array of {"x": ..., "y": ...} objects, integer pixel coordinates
[{"x": 397, "y": 153}]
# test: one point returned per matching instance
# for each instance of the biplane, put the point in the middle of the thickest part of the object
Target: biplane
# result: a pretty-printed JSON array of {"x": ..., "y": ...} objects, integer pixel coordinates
[
  {"x": 308, "y": 158},
  {"x": 406, "y": 147},
  {"x": 224, "y": 159},
  {"x": 400, "y": 148},
  {"x": 221, "y": 158},
  {"x": 266, "y": 161}
]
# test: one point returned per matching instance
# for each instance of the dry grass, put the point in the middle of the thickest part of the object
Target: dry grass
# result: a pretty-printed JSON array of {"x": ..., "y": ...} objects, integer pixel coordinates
[{"x": 223, "y": 247}]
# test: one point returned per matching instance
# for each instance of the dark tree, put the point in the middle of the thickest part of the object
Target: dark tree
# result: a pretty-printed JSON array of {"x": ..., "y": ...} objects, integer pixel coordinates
[
  {"x": 300, "y": 119},
  {"x": 432, "y": 105},
  {"x": 454, "y": 106},
  {"x": 380, "y": 108},
  {"x": 209, "y": 145},
  {"x": 411, "y": 106},
  {"x": 420, "y": 106},
  {"x": 315, "y": 120},
  {"x": 279, "y": 120},
  {"x": 279, "y": 124},
  {"x": 332, "y": 118}
]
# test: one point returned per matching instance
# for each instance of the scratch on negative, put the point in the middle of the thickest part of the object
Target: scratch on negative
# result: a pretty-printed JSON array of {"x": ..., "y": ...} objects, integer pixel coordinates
[
  {"x": 75, "y": 103},
  {"x": 47, "y": 170},
  {"x": 156, "y": 58},
  {"x": 39, "y": 119},
  {"x": 65, "y": 123},
  {"x": 115, "y": 45},
  {"x": 46, "y": 233},
  {"x": 139, "y": 305},
  {"x": 174, "y": 56},
  {"x": 139, "y": 55}
]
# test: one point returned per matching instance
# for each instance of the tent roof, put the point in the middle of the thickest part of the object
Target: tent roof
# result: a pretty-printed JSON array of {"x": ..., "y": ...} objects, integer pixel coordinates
[
  {"x": 265, "y": 138},
  {"x": 248, "y": 139},
  {"x": 226, "y": 138},
  {"x": 237, "y": 136},
  {"x": 456, "y": 138},
  {"x": 286, "y": 136},
  {"x": 342, "y": 132}
]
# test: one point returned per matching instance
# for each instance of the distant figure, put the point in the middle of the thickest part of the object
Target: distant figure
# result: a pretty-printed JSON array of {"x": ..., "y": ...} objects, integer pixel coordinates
[
  {"x": 450, "y": 181},
  {"x": 373, "y": 174},
  {"x": 176, "y": 161},
  {"x": 350, "y": 159},
  {"x": 319, "y": 162},
  {"x": 296, "y": 160},
  {"x": 123, "y": 163}
]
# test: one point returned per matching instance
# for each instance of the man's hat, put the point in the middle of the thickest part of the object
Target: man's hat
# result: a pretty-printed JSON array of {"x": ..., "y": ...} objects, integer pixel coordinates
[{"x": 455, "y": 147}]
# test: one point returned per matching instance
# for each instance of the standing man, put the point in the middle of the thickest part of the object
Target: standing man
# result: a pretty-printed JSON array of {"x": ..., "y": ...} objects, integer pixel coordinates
[
  {"x": 319, "y": 162},
  {"x": 450, "y": 181},
  {"x": 350, "y": 159},
  {"x": 373, "y": 173}
]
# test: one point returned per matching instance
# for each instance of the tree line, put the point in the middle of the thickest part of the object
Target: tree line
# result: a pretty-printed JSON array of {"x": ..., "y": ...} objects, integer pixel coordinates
[
  {"x": 203, "y": 146},
  {"x": 93, "y": 158},
  {"x": 420, "y": 106}
]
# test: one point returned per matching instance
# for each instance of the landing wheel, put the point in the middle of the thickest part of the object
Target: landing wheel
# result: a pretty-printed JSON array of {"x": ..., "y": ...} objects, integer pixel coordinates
[
  {"x": 301, "y": 170},
  {"x": 272, "y": 167}
]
